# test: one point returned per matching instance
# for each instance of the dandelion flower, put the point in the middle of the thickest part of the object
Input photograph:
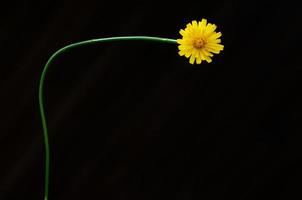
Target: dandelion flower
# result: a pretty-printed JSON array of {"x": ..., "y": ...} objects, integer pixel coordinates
[{"x": 199, "y": 41}]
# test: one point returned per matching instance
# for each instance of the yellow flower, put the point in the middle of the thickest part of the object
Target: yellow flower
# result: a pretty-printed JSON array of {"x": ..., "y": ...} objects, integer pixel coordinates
[{"x": 199, "y": 41}]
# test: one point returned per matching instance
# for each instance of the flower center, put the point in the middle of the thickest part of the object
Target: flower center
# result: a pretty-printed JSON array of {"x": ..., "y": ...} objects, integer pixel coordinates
[{"x": 198, "y": 43}]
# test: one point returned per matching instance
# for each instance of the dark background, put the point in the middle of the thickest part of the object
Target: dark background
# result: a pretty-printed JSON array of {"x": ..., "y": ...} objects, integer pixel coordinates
[{"x": 133, "y": 120}]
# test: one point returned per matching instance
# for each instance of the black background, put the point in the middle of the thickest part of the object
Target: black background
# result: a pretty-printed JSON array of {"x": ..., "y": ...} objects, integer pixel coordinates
[{"x": 133, "y": 120}]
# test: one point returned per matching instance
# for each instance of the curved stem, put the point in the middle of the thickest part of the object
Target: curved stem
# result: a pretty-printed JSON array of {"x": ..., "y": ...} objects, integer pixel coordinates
[{"x": 42, "y": 80}]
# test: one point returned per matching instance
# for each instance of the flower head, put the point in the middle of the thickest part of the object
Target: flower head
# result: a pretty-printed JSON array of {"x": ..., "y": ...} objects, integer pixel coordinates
[{"x": 199, "y": 41}]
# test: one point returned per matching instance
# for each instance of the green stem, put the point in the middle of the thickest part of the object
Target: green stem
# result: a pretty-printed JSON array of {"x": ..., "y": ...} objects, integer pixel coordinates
[{"x": 42, "y": 80}]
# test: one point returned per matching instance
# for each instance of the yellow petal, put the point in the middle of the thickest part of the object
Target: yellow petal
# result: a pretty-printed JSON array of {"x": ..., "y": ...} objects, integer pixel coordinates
[
  {"x": 208, "y": 59},
  {"x": 217, "y": 41},
  {"x": 184, "y": 41},
  {"x": 185, "y": 47},
  {"x": 189, "y": 26},
  {"x": 192, "y": 59},
  {"x": 190, "y": 31},
  {"x": 182, "y": 53},
  {"x": 215, "y": 46},
  {"x": 213, "y": 50},
  {"x": 194, "y": 24},
  {"x": 205, "y": 57},
  {"x": 209, "y": 29},
  {"x": 212, "y": 27},
  {"x": 207, "y": 53},
  {"x": 188, "y": 53},
  {"x": 203, "y": 23},
  {"x": 182, "y": 32},
  {"x": 214, "y": 36},
  {"x": 179, "y": 41},
  {"x": 198, "y": 60}
]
